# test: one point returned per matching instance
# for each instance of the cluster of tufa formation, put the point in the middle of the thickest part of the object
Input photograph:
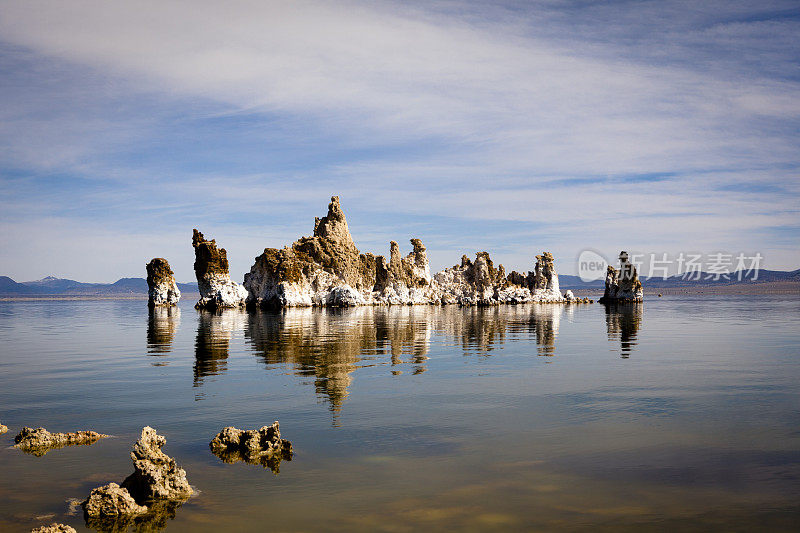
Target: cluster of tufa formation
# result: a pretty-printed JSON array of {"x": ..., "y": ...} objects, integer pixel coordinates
[
  {"x": 161, "y": 287},
  {"x": 213, "y": 280},
  {"x": 39, "y": 441},
  {"x": 156, "y": 476},
  {"x": 327, "y": 269},
  {"x": 253, "y": 446},
  {"x": 622, "y": 285},
  {"x": 3, "y": 429}
]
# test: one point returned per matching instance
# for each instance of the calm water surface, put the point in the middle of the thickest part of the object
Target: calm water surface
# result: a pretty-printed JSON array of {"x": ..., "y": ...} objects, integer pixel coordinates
[{"x": 680, "y": 413}]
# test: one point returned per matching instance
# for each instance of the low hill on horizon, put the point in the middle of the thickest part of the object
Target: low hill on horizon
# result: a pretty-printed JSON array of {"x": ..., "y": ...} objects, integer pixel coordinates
[{"x": 53, "y": 286}]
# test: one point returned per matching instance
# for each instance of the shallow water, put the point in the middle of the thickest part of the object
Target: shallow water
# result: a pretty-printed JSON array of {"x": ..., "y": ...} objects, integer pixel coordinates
[{"x": 680, "y": 413}]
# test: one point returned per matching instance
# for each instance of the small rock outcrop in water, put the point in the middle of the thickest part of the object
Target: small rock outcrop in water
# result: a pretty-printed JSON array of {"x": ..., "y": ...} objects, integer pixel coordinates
[
  {"x": 54, "y": 528},
  {"x": 213, "y": 280},
  {"x": 161, "y": 287},
  {"x": 622, "y": 285},
  {"x": 39, "y": 441},
  {"x": 3, "y": 429},
  {"x": 156, "y": 477},
  {"x": 111, "y": 501},
  {"x": 327, "y": 269},
  {"x": 253, "y": 446}
]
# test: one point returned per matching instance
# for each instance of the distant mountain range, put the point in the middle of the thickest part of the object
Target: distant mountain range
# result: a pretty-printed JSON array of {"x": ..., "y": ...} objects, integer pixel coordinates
[
  {"x": 704, "y": 279},
  {"x": 52, "y": 286}
]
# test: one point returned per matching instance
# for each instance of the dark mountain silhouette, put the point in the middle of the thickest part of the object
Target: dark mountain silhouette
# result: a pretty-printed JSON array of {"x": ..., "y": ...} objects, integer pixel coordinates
[{"x": 53, "y": 286}]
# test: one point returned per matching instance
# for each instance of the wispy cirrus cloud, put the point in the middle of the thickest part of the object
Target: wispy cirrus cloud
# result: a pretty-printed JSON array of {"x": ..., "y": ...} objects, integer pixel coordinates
[{"x": 509, "y": 127}]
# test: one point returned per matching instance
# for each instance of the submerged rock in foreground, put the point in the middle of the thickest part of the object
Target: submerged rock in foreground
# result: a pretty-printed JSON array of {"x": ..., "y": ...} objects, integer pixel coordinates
[
  {"x": 111, "y": 501},
  {"x": 156, "y": 475},
  {"x": 253, "y": 446},
  {"x": 39, "y": 441},
  {"x": 156, "y": 482},
  {"x": 162, "y": 290},
  {"x": 213, "y": 280},
  {"x": 622, "y": 285},
  {"x": 327, "y": 269}
]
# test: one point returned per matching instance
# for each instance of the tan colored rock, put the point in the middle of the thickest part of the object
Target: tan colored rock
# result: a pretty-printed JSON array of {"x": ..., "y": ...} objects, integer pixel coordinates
[
  {"x": 162, "y": 290},
  {"x": 111, "y": 501},
  {"x": 254, "y": 446},
  {"x": 39, "y": 441},
  {"x": 327, "y": 269},
  {"x": 213, "y": 280},
  {"x": 54, "y": 528},
  {"x": 156, "y": 475},
  {"x": 3, "y": 429},
  {"x": 307, "y": 273}
]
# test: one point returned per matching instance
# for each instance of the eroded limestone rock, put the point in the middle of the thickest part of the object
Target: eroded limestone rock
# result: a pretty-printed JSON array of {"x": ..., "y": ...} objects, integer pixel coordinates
[
  {"x": 162, "y": 290},
  {"x": 54, "y": 528},
  {"x": 324, "y": 269},
  {"x": 156, "y": 475},
  {"x": 155, "y": 518},
  {"x": 3, "y": 429},
  {"x": 149, "y": 496},
  {"x": 39, "y": 441},
  {"x": 327, "y": 269},
  {"x": 111, "y": 501},
  {"x": 213, "y": 280},
  {"x": 622, "y": 285},
  {"x": 253, "y": 446}
]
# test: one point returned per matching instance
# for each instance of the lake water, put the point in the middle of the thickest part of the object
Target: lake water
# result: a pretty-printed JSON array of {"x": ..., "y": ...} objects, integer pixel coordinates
[{"x": 679, "y": 413}]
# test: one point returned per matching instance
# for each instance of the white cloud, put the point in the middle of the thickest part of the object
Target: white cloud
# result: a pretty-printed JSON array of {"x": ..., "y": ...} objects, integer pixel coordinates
[{"x": 507, "y": 105}]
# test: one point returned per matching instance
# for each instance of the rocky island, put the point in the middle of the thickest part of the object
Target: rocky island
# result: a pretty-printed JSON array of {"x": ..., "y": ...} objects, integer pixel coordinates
[
  {"x": 262, "y": 446},
  {"x": 327, "y": 269},
  {"x": 162, "y": 291},
  {"x": 39, "y": 441},
  {"x": 156, "y": 479},
  {"x": 213, "y": 280},
  {"x": 622, "y": 285}
]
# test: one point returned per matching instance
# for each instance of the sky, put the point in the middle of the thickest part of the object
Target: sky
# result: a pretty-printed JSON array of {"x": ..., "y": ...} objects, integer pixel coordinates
[{"x": 516, "y": 127}]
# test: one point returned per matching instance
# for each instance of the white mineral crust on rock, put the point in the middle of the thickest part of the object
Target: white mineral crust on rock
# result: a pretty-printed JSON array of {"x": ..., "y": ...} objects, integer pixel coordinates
[
  {"x": 327, "y": 269},
  {"x": 162, "y": 291}
]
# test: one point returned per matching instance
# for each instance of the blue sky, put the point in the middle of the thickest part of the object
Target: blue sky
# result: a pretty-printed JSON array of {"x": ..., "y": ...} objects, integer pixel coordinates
[{"x": 515, "y": 128}]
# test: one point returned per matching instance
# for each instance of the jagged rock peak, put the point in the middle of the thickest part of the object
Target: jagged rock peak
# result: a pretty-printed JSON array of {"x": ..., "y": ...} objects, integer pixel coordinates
[
  {"x": 333, "y": 226},
  {"x": 324, "y": 269},
  {"x": 162, "y": 290}
]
